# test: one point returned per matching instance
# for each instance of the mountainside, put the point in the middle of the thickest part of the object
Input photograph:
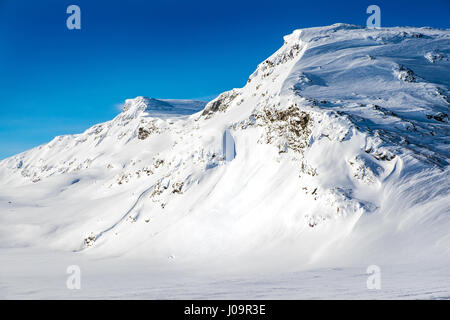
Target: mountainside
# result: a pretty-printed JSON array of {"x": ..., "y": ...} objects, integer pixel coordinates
[{"x": 340, "y": 155}]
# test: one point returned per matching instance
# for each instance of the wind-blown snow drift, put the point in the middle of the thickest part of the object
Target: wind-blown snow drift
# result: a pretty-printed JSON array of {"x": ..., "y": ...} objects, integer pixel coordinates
[{"x": 341, "y": 156}]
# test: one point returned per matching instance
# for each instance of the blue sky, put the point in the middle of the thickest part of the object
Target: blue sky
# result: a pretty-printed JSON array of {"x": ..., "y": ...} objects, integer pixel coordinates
[{"x": 57, "y": 81}]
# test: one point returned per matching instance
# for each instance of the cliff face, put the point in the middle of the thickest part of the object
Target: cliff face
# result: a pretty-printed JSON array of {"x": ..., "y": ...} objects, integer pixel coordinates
[{"x": 340, "y": 154}]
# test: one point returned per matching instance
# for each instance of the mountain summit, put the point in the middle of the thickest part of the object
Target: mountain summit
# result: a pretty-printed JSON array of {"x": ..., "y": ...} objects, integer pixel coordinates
[
  {"x": 162, "y": 108},
  {"x": 340, "y": 156}
]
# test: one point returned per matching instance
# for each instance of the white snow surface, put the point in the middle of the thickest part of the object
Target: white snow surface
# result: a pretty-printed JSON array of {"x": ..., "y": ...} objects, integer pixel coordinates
[{"x": 341, "y": 162}]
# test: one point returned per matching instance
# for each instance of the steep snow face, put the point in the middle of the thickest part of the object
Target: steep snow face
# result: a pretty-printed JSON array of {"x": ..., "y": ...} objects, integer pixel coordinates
[{"x": 340, "y": 156}]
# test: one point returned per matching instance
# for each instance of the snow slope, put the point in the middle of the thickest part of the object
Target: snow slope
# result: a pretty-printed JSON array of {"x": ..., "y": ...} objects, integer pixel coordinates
[{"x": 341, "y": 159}]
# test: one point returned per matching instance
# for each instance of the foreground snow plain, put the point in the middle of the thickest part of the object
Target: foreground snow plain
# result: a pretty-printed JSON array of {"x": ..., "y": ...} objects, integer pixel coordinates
[
  {"x": 341, "y": 162},
  {"x": 38, "y": 274}
]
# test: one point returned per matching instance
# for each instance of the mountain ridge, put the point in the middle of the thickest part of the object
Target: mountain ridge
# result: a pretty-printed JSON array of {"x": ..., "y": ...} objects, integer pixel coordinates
[{"x": 341, "y": 143}]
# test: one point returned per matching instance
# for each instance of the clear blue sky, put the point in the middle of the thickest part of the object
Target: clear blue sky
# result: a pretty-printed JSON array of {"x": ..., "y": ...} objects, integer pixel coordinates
[{"x": 57, "y": 81}]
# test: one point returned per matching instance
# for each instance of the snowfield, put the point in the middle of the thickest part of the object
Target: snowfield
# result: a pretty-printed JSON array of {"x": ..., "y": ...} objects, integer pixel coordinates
[{"x": 340, "y": 160}]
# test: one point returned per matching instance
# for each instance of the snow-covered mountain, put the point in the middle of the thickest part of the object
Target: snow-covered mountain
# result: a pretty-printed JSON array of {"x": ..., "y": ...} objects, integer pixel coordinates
[{"x": 341, "y": 142}]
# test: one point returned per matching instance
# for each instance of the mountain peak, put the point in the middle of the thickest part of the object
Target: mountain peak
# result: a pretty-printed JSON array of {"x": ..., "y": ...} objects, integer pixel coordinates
[
  {"x": 160, "y": 107},
  {"x": 137, "y": 104},
  {"x": 340, "y": 128}
]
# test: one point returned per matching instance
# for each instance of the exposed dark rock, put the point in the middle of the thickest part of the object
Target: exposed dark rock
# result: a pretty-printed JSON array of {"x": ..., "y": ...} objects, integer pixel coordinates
[
  {"x": 143, "y": 134},
  {"x": 438, "y": 117},
  {"x": 221, "y": 103},
  {"x": 289, "y": 127},
  {"x": 406, "y": 74},
  {"x": 177, "y": 187}
]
